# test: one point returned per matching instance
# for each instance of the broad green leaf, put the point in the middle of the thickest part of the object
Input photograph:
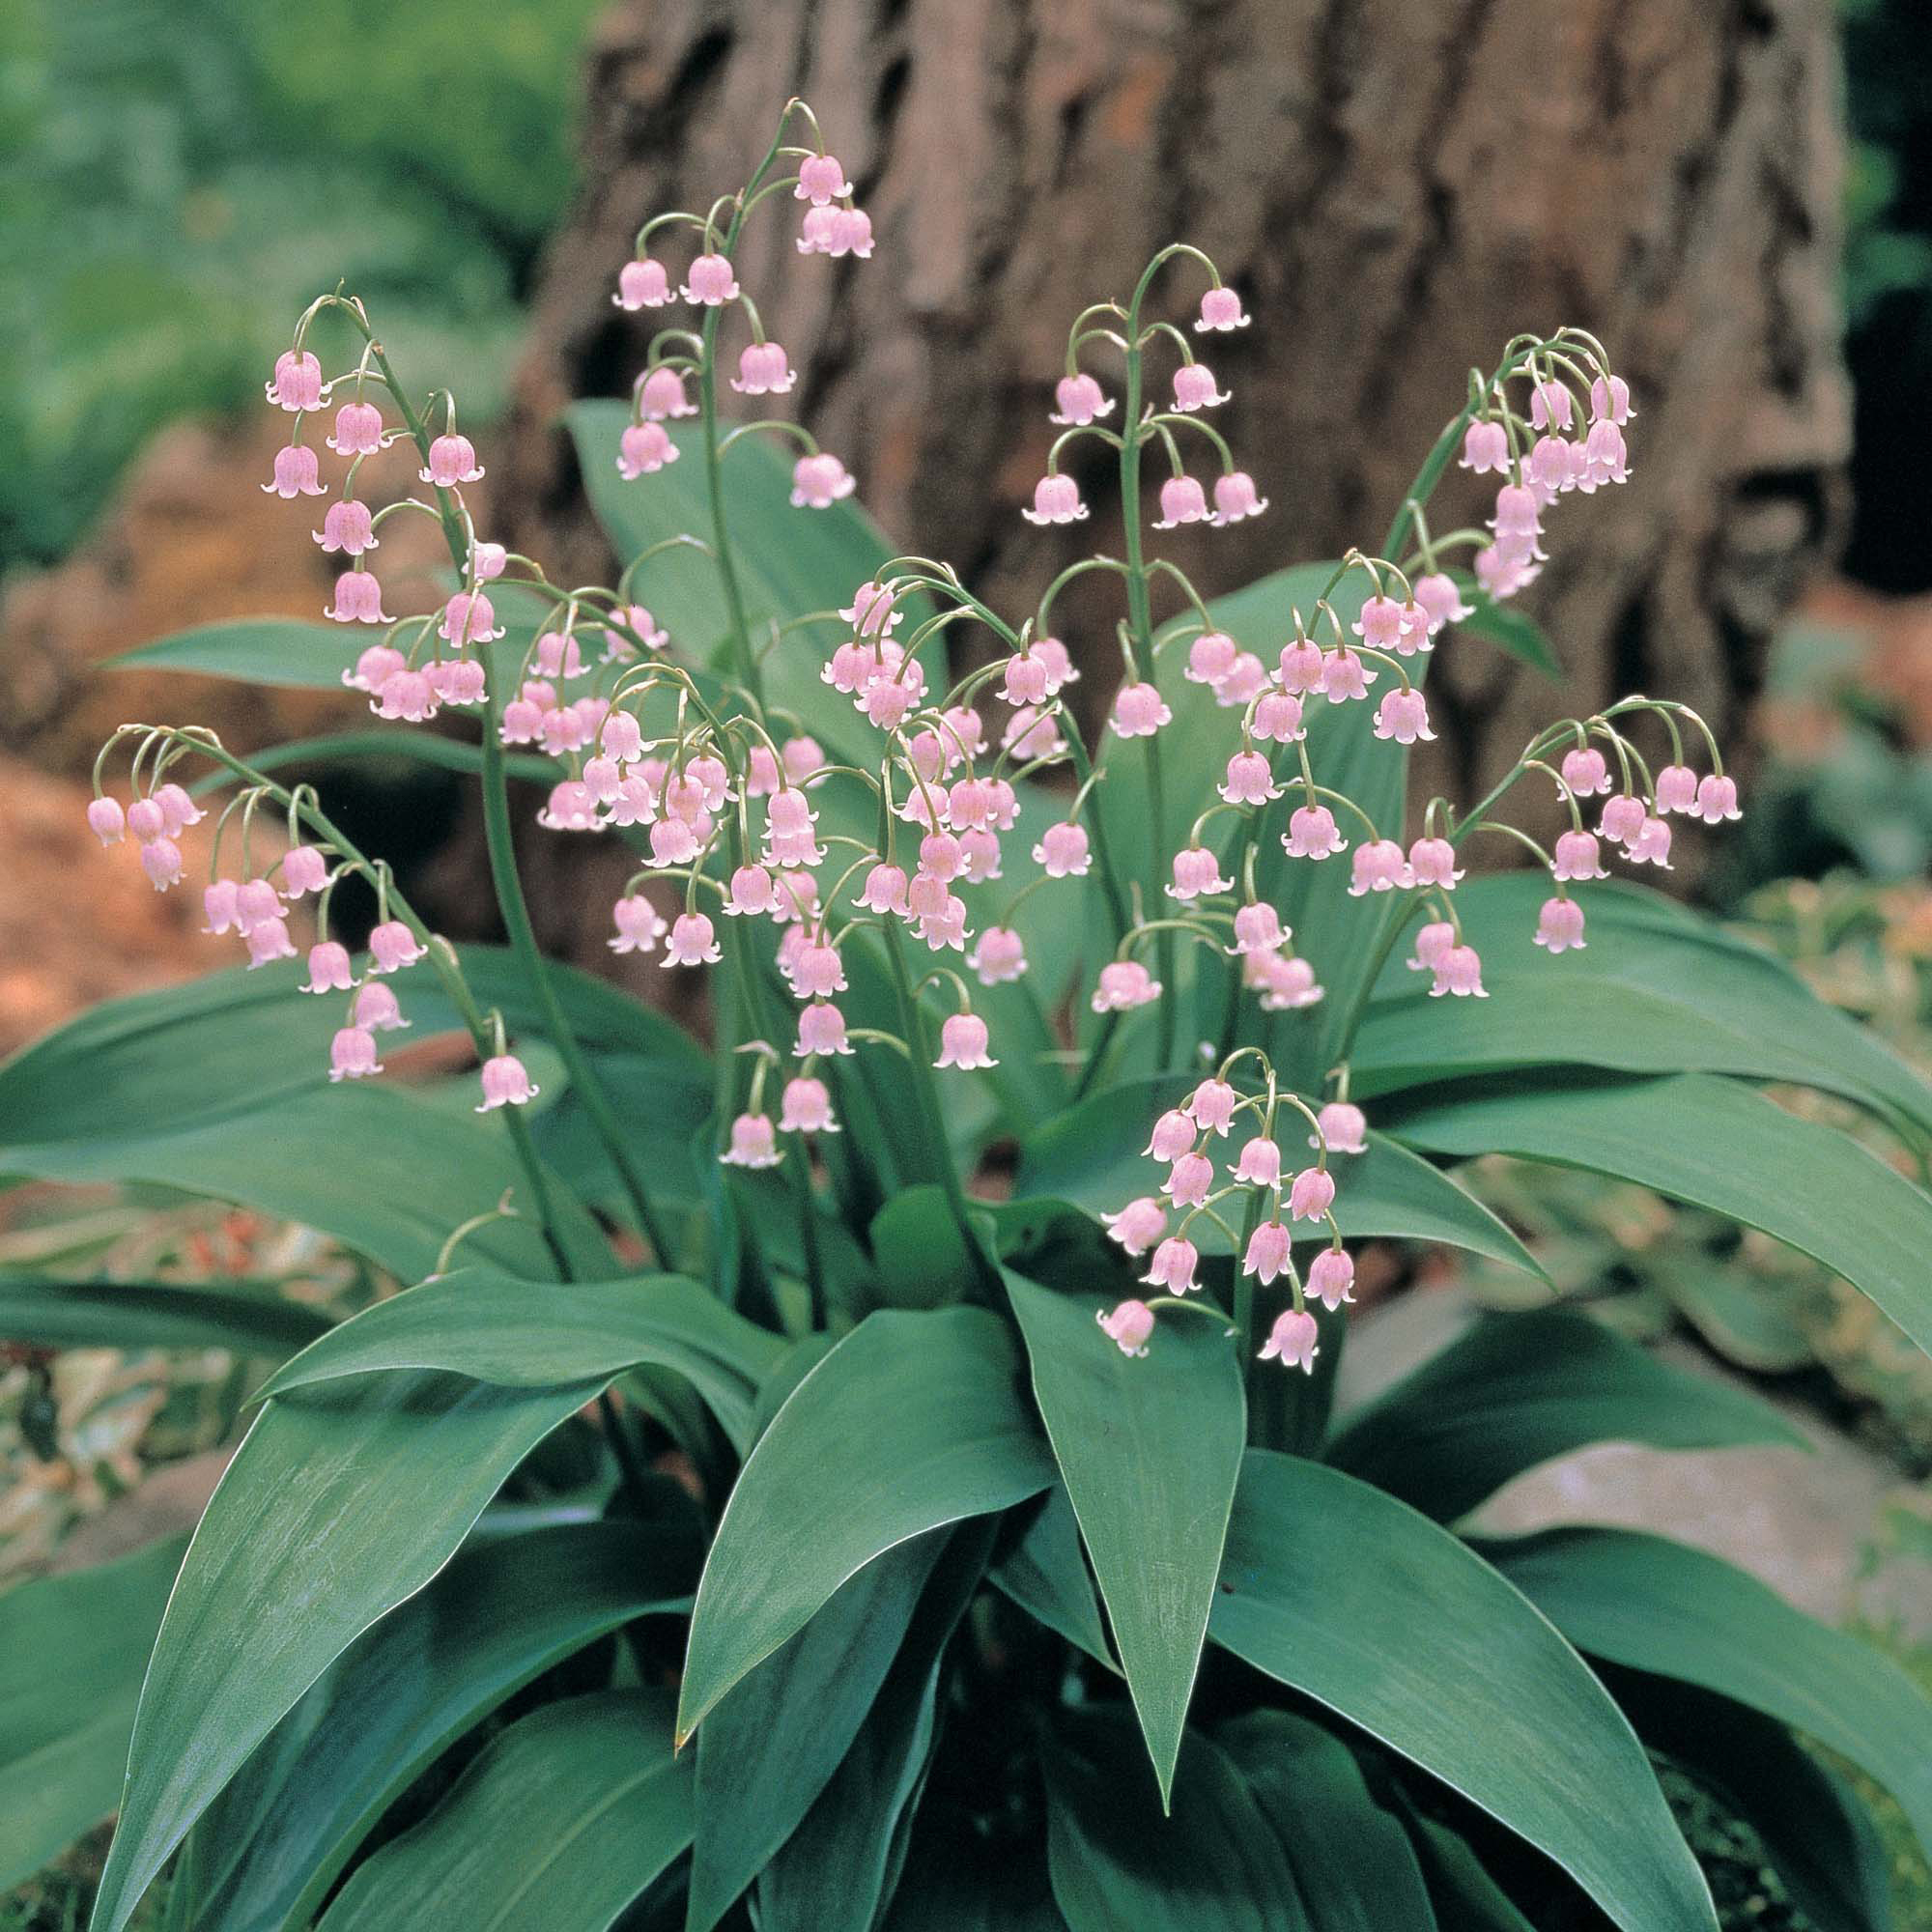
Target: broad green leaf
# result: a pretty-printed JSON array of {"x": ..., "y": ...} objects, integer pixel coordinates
[
  {"x": 1092, "y": 1157},
  {"x": 331, "y": 1160},
  {"x": 501, "y": 1613},
  {"x": 1466, "y": 1896},
  {"x": 1211, "y": 1865},
  {"x": 1657, "y": 1605},
  {"x": 1820, "y": 1839},
  {"x": 837, "y": 1871},
  {"x": 284, "y": 651},
  {"x": 1372, "y": 1609},
  {"x": 72, "y": 1649},
  {"x": 1520, "y": 1389},
  {"x": 1708, "y": 1141},
  {"x": 1656, "y": 991},
  {"x": 778, "y": 1735},
  {"x": 913, "y": 1421},
  {"x": 1046, "y": 1576},
  {"x": 1351, "y": 1860},
  {"x": 1149, "y": 1463},
  {"x": 340, "y": 1504},
  {"x": 251, "y": 1318},
  {"x": 528, "y": 1334},
  {"x": 386, "y": 746},
  {"x": 566, "y": 1818}
]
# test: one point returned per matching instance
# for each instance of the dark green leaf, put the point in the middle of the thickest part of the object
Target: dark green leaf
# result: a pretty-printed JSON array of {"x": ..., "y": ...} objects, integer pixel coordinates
[
  {"x": 72, "y": 1649},
  {"x": 251, "y": 1318},
  {"x": 1520, "y": 1389},
  {"x": 1467, "y": 1898},
  {"x": 1351, "y": 1597},
  {"x": 1656, "y": 991},
  {"x": 1213, "y": 1864},
  {"x": 1708, "y": 1141},
  {"x": 836, "y": 1872},
  {"x": 561, "y": 1824},
  {"x": 775, "y": 1739},
  {"x": 1046, "y": 1576},
  {"x": 540, "y": 1334},
  {"x": 1149, "y": 1462},
  {"x": 913, "y": 1421},
  {"x": 502, "y": 1613},
  {"x": 1820, "y": 1840},
  {"x": 340, "y": 1504},
  {"x": 1091, "y": 1156},
  {"x": 1351, "y": 1860},
  {"x": 283, "y": 651},
  {"x": 1657, "y": 1605}
]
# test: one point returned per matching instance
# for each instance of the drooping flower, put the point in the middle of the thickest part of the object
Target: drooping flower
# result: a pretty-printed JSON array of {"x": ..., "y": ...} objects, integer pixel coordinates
[
  {"x": 106, "y": 821},
  {"x": 886, "y": 890},
  {"x": 644, "y": 448},
  {"x": 1140, "y": 710},
  {"x": 1560, "y": 926},
  {"x": 1579, "y": 857},
  {"x": 1485, "y": 448},
  {"x": 641, "y": 284},
  {"x": 1312, "y": 834},
  {"x": 452, "y": 460},
  {"x": 304, "y": 870},
  {"x": 753, "y": 1142},
  {"x": 1188, "y": 1180},
  {"x": 1129, "y": 1327},
  {"x": 1138, "y": 1226},
  {"x": 806, "y": 1108},
  {"x": 1174, "y": 1265},
  {"x": 219, "y": 907},
  {"x": 347, "y": 526},
  {"x": 692, "y": 941},
  {"x": 1259, "y": 1163},
  {"x": 1311, "y": 1195},
  {"x": 1123, "y": 984},
  {"x": 1431, "y": 942},
  {"x": 999, "y": 957},
  {"x": 268, "y": 941},
  {"x": 1441, "y": 601},
  {"x": 1196, "y": 872},
  {"x": 1332, "y": 1278},
  {"x": 963, "y": 1043},
  {"x": 1249, "y": 779},
  {"x": 1378, "y": 866},
  {"x": 710, "y": 281},
  {"x": 638, "y": 923},
  {"x": 1278, "y": 719},
  {"x": 162, "y": 860},
  {"x": 378, "y": 1008},
  {"x": 507, "y": 1083},
  {"x": 1650, "y": 844},
  {"x": 1622, "y": 818},
  {"x": 1432, "y": 862},
  {"x": 1268, "y": 1252},
  {"x": 1195, "y": 388},
  {"x": 1403, "y": 716},
  {"x": 297, "y": 474},
  {"x": 1585, "y": 771},
  {"x": 821, "y": 1031},
  {"x": 328, "y": 968},
  {"x": 1182, "y": 500},
  {"x": 296, "y": 384},
  {"x": 817, "y": 482},
  {"x": 660, "y": 394},
  {"x": 352, "y": 1055},
  {"x": 392, "y": 946},
  {"x": 1459, "y": 971},
  {"x": 1258, "y": 928},
  {"x": 1056, "y": 500},
  {"x": 1343, "y": 1128},
  {"x": 358, "y": 600},
  {"x": 1345, "y": 675},
  {"x": 1220, "y": 310},
  {"x": 1212, "y": 1105},
  {"x": 1293, "y": 1341},
  {"x": 821, "y": 179},
  {"x": 1718, "y": 800},
  {"x": 1079, "y": 401}
]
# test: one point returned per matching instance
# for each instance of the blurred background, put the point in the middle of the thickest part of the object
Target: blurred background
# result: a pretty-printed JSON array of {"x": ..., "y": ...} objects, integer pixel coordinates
[{"x": 1736, "y": 197}]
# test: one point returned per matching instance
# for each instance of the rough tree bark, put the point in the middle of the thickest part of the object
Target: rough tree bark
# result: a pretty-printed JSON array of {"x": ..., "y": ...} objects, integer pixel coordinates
[{"x": 1395, "y": 187}]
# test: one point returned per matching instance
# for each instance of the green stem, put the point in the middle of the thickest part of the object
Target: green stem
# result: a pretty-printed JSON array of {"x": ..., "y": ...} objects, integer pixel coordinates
[
  {"x": 509, "y": 887},
  {"x": 714, "y": 480},
  {"x": 912, "y": 1023},
  {"x": 1140, "y": 625}
]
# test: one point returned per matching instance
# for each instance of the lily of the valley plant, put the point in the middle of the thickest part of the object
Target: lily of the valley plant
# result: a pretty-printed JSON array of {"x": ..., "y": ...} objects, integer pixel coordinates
[{"x": 880, "y": 1465}]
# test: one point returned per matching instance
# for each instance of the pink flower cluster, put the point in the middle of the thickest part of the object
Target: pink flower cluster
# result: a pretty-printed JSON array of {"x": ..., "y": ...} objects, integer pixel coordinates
[{"x": 1185, "y": 1138}]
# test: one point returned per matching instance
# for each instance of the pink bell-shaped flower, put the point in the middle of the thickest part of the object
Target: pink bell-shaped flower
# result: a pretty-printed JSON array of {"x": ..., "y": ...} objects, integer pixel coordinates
[
  {"x": 1431, "y": 942},
  {"x": 505, "y": 1083},
  {"x": 1559, "y": 926},
  {"x": 1080, "y": 401},
  {"x": 963, "y": 1043},
  {"x": 1485, "y": 448},
  {"x": 1311, "y": 1194},
  {"x": 821, "y": 1031},
  {"x": 1140, "y": 710},
  {"x": 1172, "y": 1266},
  {"x": 753, "y": 1142},
  {"x": 1378, "y": 866},
  {"x": 1403, "y": 716},
  {"x": 710, "y": 281},
  {"x": 1122, "y": 985},
  {"x": 1268, "y": 1252},
  {"x": 358, "y": 600},
  {"x": 644, "y": 448},
  {"x": 377, "y": 1007},
  {"x": 1432, "y": 862},
  {"x": 1585, "y": 771},
  {"x": 692, "y": 942},
  {"x": 452, "y": 460},
  {"x": 1056, "y": 500},
  {"x": 1293, "y": 1341},
  {"x": 106, "y": 821},
  {"x": 1211, "y": 1106},
  {"x": 1129, "y": 1327},
  {"x": 162, "y": 860},
  {"x": 806, "y": 1108},
  {"x": 1718, "y": 800},
  {"x": 1343, "y": 1127},
  {"x": 392, "y": 946},
  {"x": 641, "y": 284},
  {"x": 1459, "y": 971},
  {"x": 1259, "y": 1163},
  {"x": 660, "y": 394},
  {"x": 999, "y": 957},
  {"x": 297, "y": 474},
  {"x": 1579, "y": 857},
  {"x": 1138, "y": 1226},
  {"x": 817, "y": 482},
  {"x": 268, "y": 941},
  {"x": 821, "y": 179},
  {"x": 1195, "y": 388},
  {"x": 1332, "y": 1278},
  {"x": 347, "y": 526},
  {"x": 763, "y": 370},
  {"x": 1312, "y": 834},
  {"x": 358, "y": 430},
  {"x": 638, "y": 923},
  {"x": 328, "y": 968},
  {"x": 1220, "y": 310},
  {"x": 352, "y": 1054},
  {"x": 1182, "y": 501}
]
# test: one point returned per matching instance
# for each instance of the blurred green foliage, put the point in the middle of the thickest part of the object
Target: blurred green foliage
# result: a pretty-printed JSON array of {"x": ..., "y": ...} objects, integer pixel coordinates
[{"x": 188, "y": 174}]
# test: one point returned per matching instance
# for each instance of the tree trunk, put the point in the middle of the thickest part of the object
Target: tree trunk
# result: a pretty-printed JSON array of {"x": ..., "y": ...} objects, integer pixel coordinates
[{"x": 1396, "y": 189}]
